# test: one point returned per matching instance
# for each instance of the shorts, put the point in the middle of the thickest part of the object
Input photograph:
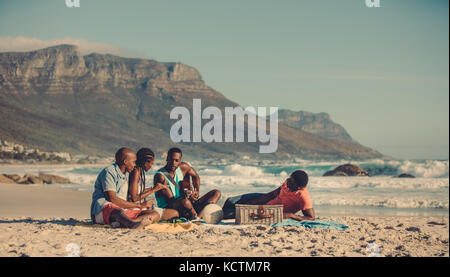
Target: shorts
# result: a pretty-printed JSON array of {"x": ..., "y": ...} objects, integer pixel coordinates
[
  {"x": 229, "y": 208},
  {"x": 103, "y": 216}
]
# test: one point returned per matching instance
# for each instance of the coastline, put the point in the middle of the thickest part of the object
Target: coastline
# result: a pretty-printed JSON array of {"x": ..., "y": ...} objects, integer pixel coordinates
[
  {"x": 39, "y": 165},
  {"x": 41, "y": 221}
]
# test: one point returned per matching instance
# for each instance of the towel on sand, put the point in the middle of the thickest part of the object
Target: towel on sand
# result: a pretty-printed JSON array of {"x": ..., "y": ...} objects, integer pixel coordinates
[
  {"x": 174, "y": 220},
  {"x": 327, "y": 224},
  {"x": 224, "y": 224},
  {"x": 155, "y": 227}
]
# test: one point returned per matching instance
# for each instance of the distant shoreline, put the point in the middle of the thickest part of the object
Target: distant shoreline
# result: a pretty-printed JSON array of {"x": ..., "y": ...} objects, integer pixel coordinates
[{"x": 53, "y": 165}]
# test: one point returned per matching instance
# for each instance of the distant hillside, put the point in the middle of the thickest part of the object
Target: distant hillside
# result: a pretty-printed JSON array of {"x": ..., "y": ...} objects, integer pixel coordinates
[
  {"x": 315, "y": 123},
  {"x": 58, "y": 100}
]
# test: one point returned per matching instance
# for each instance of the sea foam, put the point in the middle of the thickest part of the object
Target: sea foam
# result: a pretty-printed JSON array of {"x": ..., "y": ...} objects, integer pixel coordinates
[{"x": 429, "y": 190}]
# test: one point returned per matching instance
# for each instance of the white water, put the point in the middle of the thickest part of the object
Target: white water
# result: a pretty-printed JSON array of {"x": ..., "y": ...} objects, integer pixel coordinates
[{"x": 429, "y": 191}]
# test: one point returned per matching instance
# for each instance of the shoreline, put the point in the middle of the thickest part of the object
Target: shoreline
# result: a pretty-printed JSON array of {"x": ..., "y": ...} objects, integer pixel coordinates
[
  {"x": 12, "y": 195},
  {"x": 53, "y": 165}
]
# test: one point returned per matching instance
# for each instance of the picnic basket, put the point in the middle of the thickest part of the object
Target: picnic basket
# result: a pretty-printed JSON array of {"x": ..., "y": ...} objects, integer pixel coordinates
[{"x": 258, "y": 214}]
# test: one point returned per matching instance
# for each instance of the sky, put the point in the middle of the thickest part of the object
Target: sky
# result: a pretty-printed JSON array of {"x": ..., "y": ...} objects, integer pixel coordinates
[{"x": 382, "y": 73}]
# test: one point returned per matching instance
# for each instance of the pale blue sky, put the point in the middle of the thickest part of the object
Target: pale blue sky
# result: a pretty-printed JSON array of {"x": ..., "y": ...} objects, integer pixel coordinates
[{"x": 382, "y": 73}]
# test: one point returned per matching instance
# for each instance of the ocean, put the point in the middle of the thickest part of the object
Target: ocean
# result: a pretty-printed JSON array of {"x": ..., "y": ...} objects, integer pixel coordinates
[{"x": 379, "y": 195}]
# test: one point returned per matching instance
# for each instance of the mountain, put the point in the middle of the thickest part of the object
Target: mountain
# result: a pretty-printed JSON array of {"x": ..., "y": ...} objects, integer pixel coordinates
[
  {"x": 58, "y": 100},
  {"x": 315, "y": 123}
]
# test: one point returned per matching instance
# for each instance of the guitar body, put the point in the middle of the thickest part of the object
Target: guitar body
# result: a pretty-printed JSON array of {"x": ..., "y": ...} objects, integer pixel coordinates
[{"x": 185, "y": 184}]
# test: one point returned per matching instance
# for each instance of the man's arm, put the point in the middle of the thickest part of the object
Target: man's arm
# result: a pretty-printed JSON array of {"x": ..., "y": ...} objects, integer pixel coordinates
[
  {"x": 190, "y": 171},
  {"x": 308, "y": 214},
  {"x": 109, "y": 187},
  {"x": 159, "y": 180},
  {"x": 263, "y": 199},
  {"x": 112, "y": 197},
  {"x": 133, "y": 187}
]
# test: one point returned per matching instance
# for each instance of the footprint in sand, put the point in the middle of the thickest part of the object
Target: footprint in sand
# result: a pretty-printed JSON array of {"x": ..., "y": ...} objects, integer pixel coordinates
[
  {"x": 413, "y": 229},
  {"x": 253, "y": 244},
  {"x": 435, "y": 223}
]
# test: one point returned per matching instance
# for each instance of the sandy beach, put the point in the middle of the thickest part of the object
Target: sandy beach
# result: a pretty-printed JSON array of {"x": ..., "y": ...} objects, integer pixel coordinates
[{"x": 43, "y": 221}]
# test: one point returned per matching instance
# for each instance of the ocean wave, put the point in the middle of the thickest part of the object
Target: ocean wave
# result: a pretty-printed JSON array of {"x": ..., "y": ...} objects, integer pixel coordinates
[
  {"x": 427, "y": 168},
  {"x": 245, "y": 171},
  {"x": 379, "y": 183},
  {"x": 429, "y": 190},
  {"x": 402, "y": 203},
  {"x": 209, "y": 172},
  {"x": 378, "y": 167},
  {"x": 375, "y": 167},
  {"x": 430, "y": 169},
  {"x": 81, "y": 179},
  {"x": 237, "y": 177}
]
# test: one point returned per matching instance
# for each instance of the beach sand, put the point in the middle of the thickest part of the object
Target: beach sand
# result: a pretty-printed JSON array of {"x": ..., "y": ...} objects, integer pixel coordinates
[{"x": 43, "y": 221}]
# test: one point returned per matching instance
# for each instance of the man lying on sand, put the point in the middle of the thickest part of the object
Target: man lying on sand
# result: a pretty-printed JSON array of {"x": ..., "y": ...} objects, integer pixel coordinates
[
  {"x": 137, "y": 192},
  {"x": 109, "y": 202},
  {"x": 292, "y": 194},
  {"x": 179, "y": 195}
]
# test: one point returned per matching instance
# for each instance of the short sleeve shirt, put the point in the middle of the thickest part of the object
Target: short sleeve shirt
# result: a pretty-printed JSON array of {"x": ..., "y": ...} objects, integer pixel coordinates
[
  {"x": 109, "y": 179},
  {"x": 292, "y": 201}
]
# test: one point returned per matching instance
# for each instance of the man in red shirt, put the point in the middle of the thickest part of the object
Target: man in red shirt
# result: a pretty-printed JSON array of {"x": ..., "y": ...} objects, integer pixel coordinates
[{"x": 292, "y": 194}]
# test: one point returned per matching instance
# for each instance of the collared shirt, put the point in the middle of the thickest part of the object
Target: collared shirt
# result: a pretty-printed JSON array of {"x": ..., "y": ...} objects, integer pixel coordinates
[
  {"x": 109, "y": 179},
  {"x": 292, "y": 201}
]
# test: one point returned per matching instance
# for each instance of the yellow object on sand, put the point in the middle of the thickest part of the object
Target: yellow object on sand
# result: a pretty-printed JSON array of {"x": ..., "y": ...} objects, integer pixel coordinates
[
  {"x": 170, "y": 227},
  {"x": 159, "y": 227}
]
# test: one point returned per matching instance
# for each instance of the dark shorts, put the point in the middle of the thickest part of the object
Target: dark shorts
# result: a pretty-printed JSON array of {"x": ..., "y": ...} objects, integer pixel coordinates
[{"x": 229, "y": 208}]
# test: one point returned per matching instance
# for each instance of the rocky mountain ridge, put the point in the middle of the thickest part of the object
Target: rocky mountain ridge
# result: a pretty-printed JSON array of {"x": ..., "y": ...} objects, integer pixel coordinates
[
  {"x": 58, "y": 100},
  {"x": 315, "y": 123}
]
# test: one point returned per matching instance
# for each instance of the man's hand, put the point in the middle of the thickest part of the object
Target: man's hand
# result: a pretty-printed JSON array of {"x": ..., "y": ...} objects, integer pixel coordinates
[
  {"x": 194, "y": 195},
  {"x": 307, "y": 215},
  {"x": 147, "y": 204}
]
